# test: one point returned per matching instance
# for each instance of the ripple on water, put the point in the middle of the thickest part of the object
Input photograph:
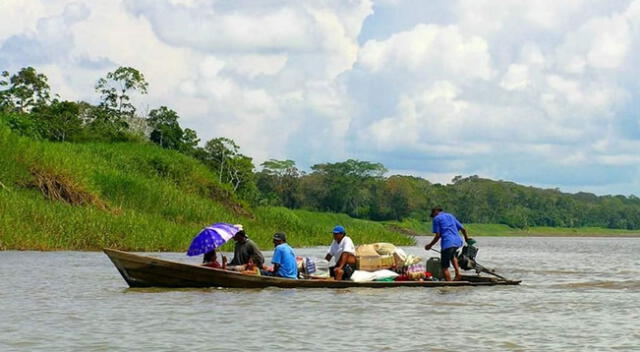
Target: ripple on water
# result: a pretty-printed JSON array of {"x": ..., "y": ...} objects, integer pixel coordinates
[{"x": 78, "y": 302}]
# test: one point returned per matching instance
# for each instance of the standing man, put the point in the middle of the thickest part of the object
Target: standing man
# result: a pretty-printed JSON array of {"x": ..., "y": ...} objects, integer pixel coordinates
[
  {"x": 245, "y": 249},
  {"x": 446, "y": 227},
  {"x": 284, "y": 259},
  {"x": 344, "y": 251}
]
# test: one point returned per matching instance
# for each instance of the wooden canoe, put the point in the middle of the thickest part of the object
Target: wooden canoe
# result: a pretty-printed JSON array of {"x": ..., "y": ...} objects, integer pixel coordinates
[{"x": 144, "y": 271}]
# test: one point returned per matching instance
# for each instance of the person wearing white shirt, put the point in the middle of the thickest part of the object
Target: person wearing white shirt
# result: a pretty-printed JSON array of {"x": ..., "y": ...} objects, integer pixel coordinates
[{"x": 344, "y": 251}]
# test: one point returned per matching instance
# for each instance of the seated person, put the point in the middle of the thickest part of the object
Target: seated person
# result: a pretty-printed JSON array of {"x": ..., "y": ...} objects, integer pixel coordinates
[
  {"x": 245, "y": 249},
  {"x": 284, "y": 259},
  {"x": 210, "y": 259},
  {"x": 251, "y": 268},
  {"x": 344, "y": 251}
]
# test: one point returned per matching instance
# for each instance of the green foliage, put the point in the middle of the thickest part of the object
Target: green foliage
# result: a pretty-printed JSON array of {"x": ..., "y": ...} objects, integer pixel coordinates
[
  {"x": 167, "y": 133},
  {"x": 307, "y": 228},
  {"x": 279, "y": 181},
  {"x": 115, "y": 88},
  {"x": 347, "y": 184},
  {"x": 222, "y": 155},
  {"x": 190, "y": 141},
  {"x": 5, "y": 101},
  {"x": 474, "y": 199},
  {"x": 59, "y": 121},
  {"x": 142, "y": 197},
  {"x": 335, "y": 187},
  {"x": 153, "y": 199},
  {"x": 26, "y": 90},
  {"x": 398, "y": 197},
  {"x": 22, "y": 123}
]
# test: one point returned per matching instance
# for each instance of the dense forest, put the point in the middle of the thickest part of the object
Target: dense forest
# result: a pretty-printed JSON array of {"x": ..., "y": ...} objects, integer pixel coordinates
[{"x": 358, "y": 188}]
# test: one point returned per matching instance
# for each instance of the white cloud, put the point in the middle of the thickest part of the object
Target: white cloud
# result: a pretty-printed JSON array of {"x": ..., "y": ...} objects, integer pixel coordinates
[
  {"x": 600, "y": 43},
  {"x": 20, "y": 17},
  {"x": 203, "y": 26},
  {"x": 541, "y": 92},
  {"x": 430, "y": 50},
  {"x": 420, "y": 121},
  {"x": 516, "y": 78},
  {"x": 256, "y": 65}
]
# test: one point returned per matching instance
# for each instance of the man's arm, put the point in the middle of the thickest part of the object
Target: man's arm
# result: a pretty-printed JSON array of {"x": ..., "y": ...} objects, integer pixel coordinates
[
  {"x": 332, "y": 250},
  {"x": 435, "y": 240},
  {"x": 235, "y": 260},
  {"x": 346, "y": 258},
  {"x": 276, "y": 260},
  {"x": 276, "y": 266},
  {"x": 464, "y": 232}
]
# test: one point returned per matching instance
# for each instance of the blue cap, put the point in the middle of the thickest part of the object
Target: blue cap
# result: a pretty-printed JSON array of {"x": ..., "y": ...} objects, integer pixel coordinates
[{"x": 339, "y": 229}]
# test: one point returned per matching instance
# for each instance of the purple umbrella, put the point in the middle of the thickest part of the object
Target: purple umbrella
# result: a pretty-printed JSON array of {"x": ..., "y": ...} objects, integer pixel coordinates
[{"x": 212, "y": 237}]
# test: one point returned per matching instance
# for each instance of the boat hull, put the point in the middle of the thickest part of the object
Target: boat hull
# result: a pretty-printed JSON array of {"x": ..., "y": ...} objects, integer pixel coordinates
[{"x": 144, "y": 271}]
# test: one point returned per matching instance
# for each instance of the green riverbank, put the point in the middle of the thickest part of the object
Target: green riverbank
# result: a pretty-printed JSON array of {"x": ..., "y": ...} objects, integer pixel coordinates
[{"x": 139, "y": 197}]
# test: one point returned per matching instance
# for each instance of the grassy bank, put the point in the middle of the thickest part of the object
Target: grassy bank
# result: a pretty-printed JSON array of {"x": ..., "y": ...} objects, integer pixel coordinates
[{"x": 133, "y": 196}]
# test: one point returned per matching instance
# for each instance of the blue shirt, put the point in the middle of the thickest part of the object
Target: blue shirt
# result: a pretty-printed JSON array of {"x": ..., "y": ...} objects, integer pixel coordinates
[
  {"x": 447, "y": 226},
  {"x": 284, "y": 255}
]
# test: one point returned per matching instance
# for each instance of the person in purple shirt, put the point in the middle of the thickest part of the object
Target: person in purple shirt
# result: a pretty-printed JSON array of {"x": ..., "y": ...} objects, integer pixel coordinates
[{"x": 445, "y": 228}]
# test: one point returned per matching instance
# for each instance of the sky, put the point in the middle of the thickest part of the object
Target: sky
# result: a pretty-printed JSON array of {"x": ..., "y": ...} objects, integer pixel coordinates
[{"x": 542, "y": 93}]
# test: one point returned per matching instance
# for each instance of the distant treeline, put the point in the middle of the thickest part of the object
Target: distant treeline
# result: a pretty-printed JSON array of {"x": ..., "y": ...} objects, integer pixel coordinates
[{"x": 358, "y": 188}]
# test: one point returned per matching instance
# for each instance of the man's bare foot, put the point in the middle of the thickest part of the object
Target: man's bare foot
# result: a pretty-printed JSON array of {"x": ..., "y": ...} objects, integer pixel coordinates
[{"x": 458, "y": 278}]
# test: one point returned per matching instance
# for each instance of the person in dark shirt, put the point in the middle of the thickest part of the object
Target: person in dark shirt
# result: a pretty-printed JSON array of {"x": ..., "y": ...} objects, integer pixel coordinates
[
  {"x": 244, "y": 250},
  {"x": 210, "y": 259}
]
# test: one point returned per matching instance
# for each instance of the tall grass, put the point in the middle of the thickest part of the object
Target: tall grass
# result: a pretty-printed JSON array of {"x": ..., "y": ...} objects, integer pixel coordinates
[{"x": 140, "y": 197}]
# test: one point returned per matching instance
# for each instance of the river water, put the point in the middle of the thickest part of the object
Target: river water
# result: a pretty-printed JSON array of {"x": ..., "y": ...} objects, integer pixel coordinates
[{"x": 577, "y": 294}]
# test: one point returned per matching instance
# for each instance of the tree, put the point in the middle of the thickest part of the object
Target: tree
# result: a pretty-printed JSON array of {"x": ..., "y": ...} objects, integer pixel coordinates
[
  {"x": 166, "y": 131},
  {"x": 223, "y": 157},
  {"x": 60, "y": 120},
  {"x": 111, "y": 119},
  {"x": 190, "y": 141},
  {"x": 349, "y": 185},
  {"x": 27, "y": 89},
  {"x": 115, "y": 88},
  {"x": 399, "y": 192},
  {"x": 280, "y": 179},
  {"x": 5, "y": 101},
  {"x": 219, "y": 153}
]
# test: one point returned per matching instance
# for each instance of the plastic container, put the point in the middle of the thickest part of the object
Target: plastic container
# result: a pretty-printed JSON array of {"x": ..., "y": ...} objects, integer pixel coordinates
[
  {"x": 434, "y": 267},
  {"x": 322, "y": 268}
]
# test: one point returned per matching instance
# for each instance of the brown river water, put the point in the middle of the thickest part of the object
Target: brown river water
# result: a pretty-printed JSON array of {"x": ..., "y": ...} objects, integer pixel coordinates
[{"x": 577, "y": 294}]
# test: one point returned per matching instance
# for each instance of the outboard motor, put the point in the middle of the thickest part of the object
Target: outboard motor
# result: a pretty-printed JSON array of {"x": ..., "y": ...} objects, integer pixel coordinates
[
  {"x": 467, "y": 257},
  {"x": 467, "y": 260}
]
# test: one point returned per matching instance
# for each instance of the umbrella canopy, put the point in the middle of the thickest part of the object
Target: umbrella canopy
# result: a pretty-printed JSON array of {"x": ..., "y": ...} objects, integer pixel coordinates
[{"x": 212, "y": 237}]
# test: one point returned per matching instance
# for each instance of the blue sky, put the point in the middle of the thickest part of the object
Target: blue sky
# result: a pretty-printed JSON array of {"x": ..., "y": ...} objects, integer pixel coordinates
[{"x": 541, "y": 93}]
